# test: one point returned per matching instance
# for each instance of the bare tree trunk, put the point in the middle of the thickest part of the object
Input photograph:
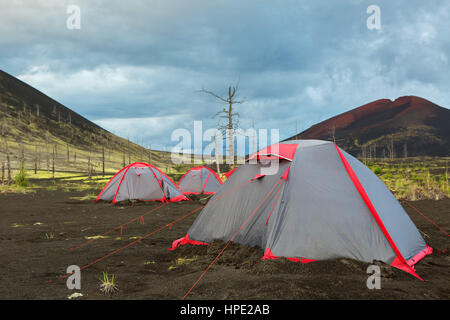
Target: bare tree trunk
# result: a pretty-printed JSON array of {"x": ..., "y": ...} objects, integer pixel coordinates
[
  {"x": 123, "y": 158},
  {"x": 228, "y": 114},
  {"x": 217, "y": 153},
  {"x": 53, "y": 161},
  {"x": 333, "y": 133},
  {"x": 150, "y": 155},
  {"x": 48, "y": 153},
  {"x": 89, "y": 166},
  {"x": 392, "y": 148},
  {"x": 103, "y": 161},
  {"x": 8, "y": 162},
  {"x": 129, "y": 154},
  {"x": 35, "y": 159}
]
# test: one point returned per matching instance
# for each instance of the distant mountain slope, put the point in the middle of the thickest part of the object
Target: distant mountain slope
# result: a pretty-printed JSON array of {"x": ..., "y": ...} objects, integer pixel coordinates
[
  {"x": 34, "y": 124},
  {"x": 410, "y": 126}
]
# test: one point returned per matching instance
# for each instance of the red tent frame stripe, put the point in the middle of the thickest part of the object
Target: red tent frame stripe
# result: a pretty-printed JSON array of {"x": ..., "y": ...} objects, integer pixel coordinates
[{"x": 403, "y": 264}]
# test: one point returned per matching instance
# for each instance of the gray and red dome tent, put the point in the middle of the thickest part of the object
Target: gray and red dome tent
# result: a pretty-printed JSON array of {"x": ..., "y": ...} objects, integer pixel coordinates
[
  {"x": 200, "y": 180},
  {"x": 321, "y": 203},
  {"x": 143, "y": 182}
]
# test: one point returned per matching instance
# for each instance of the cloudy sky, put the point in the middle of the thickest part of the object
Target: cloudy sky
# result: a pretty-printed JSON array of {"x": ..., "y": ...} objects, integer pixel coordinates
[{"x": 135, "y": 67}]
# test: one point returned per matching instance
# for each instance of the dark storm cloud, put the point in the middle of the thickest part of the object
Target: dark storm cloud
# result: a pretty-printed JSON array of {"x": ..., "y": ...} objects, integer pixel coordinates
[{"x": 136, "y": 67}]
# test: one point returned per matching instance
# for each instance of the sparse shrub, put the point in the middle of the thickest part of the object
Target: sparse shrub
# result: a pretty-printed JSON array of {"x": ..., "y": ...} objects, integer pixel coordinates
[
  {"x": 377, "y": 170},
  {"x": 387, "y": 175},
  {"x": 108, "y": 285},
  {"x": 49, "y": 236},
  {"x": 21, "y": 177}
]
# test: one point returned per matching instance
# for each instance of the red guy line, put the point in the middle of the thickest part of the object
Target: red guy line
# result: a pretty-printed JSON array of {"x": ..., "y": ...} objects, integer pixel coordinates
[
  {"x": 119, "y": 227},
  {"x": 157, "y": 230}
]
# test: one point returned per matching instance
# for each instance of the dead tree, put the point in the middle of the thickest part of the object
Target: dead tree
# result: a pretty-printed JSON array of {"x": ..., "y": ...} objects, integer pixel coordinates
[
  {"x": 217, "y": 153},
  {"x": 332, "y": 133},
  {"x": 22, "y": 153},
  {"x": 103, "y": 161},
  {"x": 232, "y": 118},
  {"x": 53, "y": 161},
  {"x": 123, "y": 158},
  {"x": 48, "y": 152},
  {"x": 6, "y": 149},
  {"x": 8, "y": 163},
  {"x": 35, "y": 159},
  {"x": 89, "y": 166},
  {"x": 390, "y": 147},
  {"x": 129, "y": 154},
  {"x": 364, "y": 154},
  {"x": 150, "y": 154}
]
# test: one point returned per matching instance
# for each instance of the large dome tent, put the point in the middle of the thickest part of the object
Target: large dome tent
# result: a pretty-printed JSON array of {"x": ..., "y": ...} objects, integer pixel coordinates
[{"x": 322, "y": 203}]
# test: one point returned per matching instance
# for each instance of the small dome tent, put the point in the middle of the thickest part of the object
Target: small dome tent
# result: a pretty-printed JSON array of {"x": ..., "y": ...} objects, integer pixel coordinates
[
  {"x": 200, "y": 180},
  {"x": 321, "y": 203},
  {"x": 141, "y": 181}
]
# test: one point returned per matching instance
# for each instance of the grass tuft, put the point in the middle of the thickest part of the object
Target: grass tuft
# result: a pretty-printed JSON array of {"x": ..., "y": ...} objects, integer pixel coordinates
[{"x": 108, "y": 285}]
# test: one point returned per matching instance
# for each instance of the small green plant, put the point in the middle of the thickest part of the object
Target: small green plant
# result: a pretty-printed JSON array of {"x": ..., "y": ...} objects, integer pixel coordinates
[
  {"x": 108, "y": 285},
  {"x": 49, "y": 236},
  {"x": 21, "y": 177},
  {"x": 377, "y": 170},
  {"x": 182, "y": 261},
  {"x": 387, "y": 175}
]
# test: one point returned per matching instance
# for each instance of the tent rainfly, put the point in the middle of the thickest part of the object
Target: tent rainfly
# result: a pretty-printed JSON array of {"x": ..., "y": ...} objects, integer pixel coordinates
[
  {"x": 321, "y": 203},
  {"x": 200, "y": 180},
  {"x": 141, "y": 181}
]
